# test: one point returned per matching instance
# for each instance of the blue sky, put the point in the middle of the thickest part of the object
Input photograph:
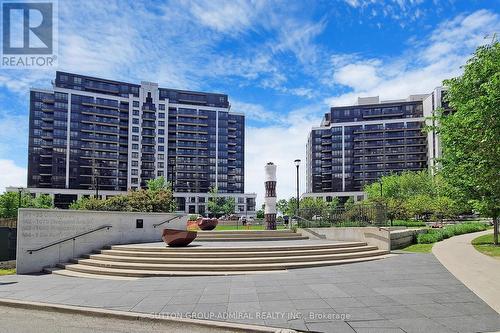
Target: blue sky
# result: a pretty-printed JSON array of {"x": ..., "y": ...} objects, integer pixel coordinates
[{"x": 283, "y": 63}]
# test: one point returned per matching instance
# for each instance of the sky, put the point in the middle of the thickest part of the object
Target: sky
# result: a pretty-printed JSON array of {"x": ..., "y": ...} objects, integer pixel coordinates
[{"x": 282, "y": 63}]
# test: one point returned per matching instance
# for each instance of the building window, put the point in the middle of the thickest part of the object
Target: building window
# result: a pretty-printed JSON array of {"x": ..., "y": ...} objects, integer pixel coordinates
[
  {"x": 135, "y": 129},
  {"x": 161, "y": 165},
  {"x": 135, "y": 172},
  {"x": 162, "y": 106},
  {"x": 135, "y": 163},
  {"x": 135, "y": 121},
  {"x": 135, "y": 146},
  {"x": 135, "y": 138},
  {"x": 161, "y": 140},
  {"x": 160, "y": 173},
  {"x": 161, "y": 123},
  {"x": 161, "y": 115},
  {"x": 161, "y": 131},
  {"x": 161, "y": 148},
  {"x": 161, "y": 156},
  {"x": 135, "y": 112},
  {"x": 135, "y": 154},
  {"x": 135, "y": 180},
  {"x": 136, "y": 104}
]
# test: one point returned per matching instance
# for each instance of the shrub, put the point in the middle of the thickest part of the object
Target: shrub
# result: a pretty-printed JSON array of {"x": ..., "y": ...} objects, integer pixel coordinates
[
  {"x": 401, "y": 223},
  {"x": 429, "y": 237},
  {"x": 436, "y": 235}
]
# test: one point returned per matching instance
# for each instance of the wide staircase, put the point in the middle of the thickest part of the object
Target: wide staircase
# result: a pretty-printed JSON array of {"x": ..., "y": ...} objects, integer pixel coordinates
[
  {"x": 243, "y": 255},
  {"x": 248, "y": 235}
]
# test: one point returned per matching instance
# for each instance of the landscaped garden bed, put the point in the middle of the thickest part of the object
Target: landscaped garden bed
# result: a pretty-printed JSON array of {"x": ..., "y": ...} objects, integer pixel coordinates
[{"x": 437, "y": 235}]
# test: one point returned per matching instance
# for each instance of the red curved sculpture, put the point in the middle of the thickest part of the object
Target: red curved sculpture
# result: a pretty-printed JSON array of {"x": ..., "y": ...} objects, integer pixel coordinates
[
  {"x": 178, "y": 238},
  {"x": 207, "y": 224}
]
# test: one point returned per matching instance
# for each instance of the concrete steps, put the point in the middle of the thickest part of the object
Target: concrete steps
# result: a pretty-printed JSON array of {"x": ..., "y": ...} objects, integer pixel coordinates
[
  {"x": 248, "y": 235},
  {"x": 141, "y": 261}
]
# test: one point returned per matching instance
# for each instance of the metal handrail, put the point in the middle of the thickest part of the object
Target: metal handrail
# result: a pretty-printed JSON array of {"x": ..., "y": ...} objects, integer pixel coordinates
[
  {"x": 71, "y": 238},
  {"x": 173, "y": 218}
]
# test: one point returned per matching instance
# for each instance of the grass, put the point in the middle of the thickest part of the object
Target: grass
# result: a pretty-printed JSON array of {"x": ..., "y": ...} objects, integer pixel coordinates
[
  {"x": 7, "y": 271},
  {"x": 484, "y": 244},
  {"x": 419, "y": 248},
  {"x": 412, "y": 224},
  {"x": 240, "y": 227},
  {"x": 437, "y": 235}
]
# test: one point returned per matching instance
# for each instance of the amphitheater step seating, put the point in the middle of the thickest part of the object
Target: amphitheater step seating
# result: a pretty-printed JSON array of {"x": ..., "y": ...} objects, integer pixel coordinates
[{"x": 138, "y": 260}]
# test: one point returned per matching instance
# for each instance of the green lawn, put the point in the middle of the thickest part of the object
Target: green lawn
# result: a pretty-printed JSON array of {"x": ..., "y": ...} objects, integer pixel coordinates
[
  {"x": 419, "y": 248},
  {"x": 484, "y": 244},
  {"x": 240, "y": 227},
  {"x": 7, "y": 271}
]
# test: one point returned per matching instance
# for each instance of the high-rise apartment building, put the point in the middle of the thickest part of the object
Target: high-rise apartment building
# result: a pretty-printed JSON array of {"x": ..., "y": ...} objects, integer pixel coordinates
[
  {"x": 356, "y": 145},
  {"x": 434, "y": 101},
  {"x": 90, "y": 133}
]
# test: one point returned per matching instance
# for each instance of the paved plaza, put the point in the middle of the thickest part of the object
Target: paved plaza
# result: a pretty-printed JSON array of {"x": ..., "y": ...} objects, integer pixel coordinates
[{"x": 403, "y": 293}]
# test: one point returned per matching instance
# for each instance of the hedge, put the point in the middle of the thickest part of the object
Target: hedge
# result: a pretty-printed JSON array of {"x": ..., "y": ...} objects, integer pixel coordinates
[{"x": 436, "y": 235}]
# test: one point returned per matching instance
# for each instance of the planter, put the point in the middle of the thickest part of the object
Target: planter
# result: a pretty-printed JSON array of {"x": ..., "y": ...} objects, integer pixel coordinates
[
  {"x": 178, "y": 238},
  {"x": 207, "y": 224}
]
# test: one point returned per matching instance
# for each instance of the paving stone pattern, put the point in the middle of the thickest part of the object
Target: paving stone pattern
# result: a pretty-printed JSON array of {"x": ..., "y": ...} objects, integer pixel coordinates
[{"x": 404, "y": 293}]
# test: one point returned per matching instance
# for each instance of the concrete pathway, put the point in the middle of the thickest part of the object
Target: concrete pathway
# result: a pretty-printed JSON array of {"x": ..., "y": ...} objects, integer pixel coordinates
[
  {"x": 477, "y": 271},
  {"x": 409, "y": 292}
]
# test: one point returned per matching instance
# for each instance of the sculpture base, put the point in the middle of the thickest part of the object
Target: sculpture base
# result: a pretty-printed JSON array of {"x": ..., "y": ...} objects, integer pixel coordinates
[{"x": 178, "y": 238}]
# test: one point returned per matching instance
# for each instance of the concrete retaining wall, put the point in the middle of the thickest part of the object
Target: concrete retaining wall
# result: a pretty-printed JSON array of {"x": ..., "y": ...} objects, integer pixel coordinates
[
  {"x": 379, "y": 237},
  {"x": 40, "y": 227},
  {"x": 384, "y": 238},
  {"x": 404, "y": 238}
]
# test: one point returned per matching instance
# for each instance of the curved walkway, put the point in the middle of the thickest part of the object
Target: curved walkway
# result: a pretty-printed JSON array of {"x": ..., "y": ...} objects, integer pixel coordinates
[{"x": 477, "y": 271}]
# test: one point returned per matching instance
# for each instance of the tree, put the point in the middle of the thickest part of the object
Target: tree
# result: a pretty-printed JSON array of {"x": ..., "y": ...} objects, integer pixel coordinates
[
  {"x": 218, "y": 205},
  {"x": 229, "y": 206},
  {"x": 397, "y": 189},
  {"x": 420, "y": 206},
  {"x": 9, "y": 203},
  {"x": 282, "y": 206},
  {"x": 158, "y": 197},
  {"x": 157, "y": 184},
  {"x": 470, "y": 135}
]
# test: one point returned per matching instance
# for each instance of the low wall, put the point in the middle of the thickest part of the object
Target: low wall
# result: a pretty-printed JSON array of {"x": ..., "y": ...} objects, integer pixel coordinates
[
  {"x": 40, "y": 227},
  {"x": 375, "y": 236},
  {"x": 390, "y": 238},
  {"x": 404, "y": 238}
]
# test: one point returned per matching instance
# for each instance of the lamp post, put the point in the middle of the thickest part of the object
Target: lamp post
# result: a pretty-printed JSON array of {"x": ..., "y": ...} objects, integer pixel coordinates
[
  {"x": 20, "y": 191},
  {"x": 297, "y": 164},
  {"x": 96, "y": 177}
]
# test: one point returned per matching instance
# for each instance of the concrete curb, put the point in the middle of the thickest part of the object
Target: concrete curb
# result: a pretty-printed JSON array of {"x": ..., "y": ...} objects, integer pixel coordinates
[{"x": 124, "y": 315}]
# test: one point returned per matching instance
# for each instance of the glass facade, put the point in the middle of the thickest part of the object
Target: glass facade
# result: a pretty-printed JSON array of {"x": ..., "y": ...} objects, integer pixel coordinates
[
  {"x": 90, "y": 131},
  {"x": 356, "y": 145}
]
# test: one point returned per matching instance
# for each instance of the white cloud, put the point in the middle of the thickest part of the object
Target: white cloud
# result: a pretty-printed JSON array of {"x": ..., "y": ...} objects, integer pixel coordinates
[
  {"x": 255, "y": 112},
  {"x": 362, "y": 74},
  {"x": 225, "y": 16},
  {"x": 421, "y": 68},
  {"x": 11, "y": 175},
  {"x": 281, "y": 144}
]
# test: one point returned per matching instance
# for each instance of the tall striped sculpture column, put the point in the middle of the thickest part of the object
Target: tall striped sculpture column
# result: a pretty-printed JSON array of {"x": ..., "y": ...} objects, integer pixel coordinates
[{"x": 270, "y": 199}]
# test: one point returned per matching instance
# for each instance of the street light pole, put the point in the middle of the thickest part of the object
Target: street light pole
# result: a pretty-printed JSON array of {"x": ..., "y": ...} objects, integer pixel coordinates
[
  {"x": 297, "y": 164},
  {"x": 96, "y": 176},
  {"x": 19, "y": 189}
]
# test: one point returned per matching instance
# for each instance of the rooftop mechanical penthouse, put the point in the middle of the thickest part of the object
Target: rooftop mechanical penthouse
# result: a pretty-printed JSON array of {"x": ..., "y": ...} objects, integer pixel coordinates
[
  {"x": 89, "y": 132},
  {"x": 356, "y": 145}
]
